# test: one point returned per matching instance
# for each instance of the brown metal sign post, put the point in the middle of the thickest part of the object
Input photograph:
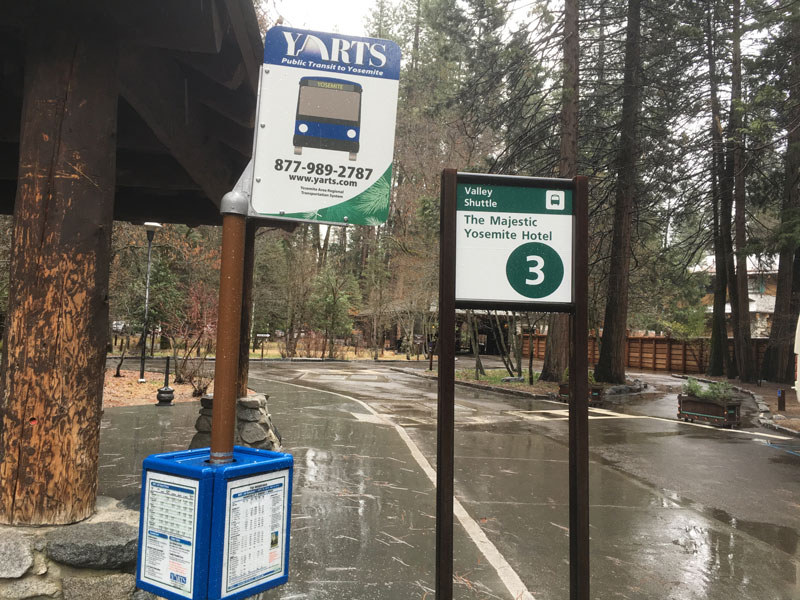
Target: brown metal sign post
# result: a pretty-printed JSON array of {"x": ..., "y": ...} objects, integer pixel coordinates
[
  {"x": 226, "y": 367},
  {"x": 514, "y": 243},
  {"x": 446, "y": 388},
  {"x": 579, "y": 401}
]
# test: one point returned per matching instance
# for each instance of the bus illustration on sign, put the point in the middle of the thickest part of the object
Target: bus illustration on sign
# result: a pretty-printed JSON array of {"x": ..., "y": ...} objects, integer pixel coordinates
[{"x": 328, "y": 115}]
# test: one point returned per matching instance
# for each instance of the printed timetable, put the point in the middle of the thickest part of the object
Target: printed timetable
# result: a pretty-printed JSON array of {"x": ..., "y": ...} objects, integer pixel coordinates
[
  {"x": 170, "y": 522},
  {"x": 256, "y": 509}
]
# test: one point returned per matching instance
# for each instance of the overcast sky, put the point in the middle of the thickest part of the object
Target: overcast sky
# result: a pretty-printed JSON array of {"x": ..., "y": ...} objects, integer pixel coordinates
[{"x": 336, "y": 16}]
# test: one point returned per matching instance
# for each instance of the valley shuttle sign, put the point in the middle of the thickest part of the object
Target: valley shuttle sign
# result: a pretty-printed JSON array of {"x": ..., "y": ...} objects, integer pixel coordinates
[
  {"x": 521, "y": 244},
  {"x": 514, "y": 240},
  {"x": 325, "y": 127}
]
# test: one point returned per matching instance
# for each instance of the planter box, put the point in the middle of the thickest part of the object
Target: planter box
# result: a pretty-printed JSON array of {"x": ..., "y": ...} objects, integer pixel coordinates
[
  {"x": 595, "y": 393},
  {"x": 725, "y": 413}
]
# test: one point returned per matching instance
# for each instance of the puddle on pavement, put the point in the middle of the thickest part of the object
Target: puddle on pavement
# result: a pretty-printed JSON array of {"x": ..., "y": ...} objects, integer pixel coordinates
[{"x": 783, "y": 538}]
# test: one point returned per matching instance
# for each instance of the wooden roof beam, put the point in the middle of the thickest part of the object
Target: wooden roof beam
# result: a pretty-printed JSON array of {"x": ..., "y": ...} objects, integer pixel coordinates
[
  {"x": 226, "y": 68},
  {"x": 234, "y": 136},
  {"x": 157, "y": 89},
  {"x": 152, "y": 172},
  {"x": 189, "y": 208},
  {"x": 242, "y": 15},
  {"x": 197, "y": 26},
  {"x": 239, "y": 106},
  {"x": 133, "y": 134}
]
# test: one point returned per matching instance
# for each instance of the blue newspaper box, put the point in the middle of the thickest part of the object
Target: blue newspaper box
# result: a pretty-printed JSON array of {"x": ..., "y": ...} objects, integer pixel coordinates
[{"x": 214, "y": 531}]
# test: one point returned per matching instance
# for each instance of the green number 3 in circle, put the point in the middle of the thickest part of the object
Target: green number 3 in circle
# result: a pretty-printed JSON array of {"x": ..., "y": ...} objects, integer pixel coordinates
[{"x": 534, "y": 270}]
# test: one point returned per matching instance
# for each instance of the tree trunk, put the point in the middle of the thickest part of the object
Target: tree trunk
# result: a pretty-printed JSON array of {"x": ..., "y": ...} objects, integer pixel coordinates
[
  {"x": 611, "y": 364},
  {"x": 556, "y": 354},
  {"x": 778, "y": 362},
  {"x": 725, "y": 222},
  {"x": 530, "y": 349},
  {"x": 119, "y": 364},
  {"x": 374, "y": 337},
  {"x": 719, "y": 356},
  {"x": 473, "y": 336},
  {"x": 518, "y": 345},
  {"x": 742, "y": 338},
  {"x": 54, "y": 350},
  {"x": 497, "y": 332}
]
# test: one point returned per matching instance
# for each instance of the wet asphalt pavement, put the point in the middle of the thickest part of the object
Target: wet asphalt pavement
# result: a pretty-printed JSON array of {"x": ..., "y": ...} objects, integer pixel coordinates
[{"x": 678, "y": 511}]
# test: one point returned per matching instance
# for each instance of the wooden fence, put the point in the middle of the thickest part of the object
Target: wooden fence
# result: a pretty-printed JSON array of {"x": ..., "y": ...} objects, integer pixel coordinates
[{"x": 655, "y": 353}]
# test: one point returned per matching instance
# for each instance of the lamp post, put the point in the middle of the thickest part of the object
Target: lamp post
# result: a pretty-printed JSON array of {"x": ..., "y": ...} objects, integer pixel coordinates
[{"x": 151, "y": 229}]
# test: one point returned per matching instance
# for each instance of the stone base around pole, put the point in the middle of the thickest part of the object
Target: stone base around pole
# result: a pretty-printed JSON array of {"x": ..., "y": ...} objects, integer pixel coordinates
[{"x": 254, "y": 427}]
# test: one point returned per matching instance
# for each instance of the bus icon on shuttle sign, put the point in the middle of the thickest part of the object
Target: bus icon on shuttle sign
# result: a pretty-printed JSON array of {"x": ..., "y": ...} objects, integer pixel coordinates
[
  {"x": 325, "y": 127},
  {"x": 555, "y": 200},
  {"x": 320, "y": 101}
]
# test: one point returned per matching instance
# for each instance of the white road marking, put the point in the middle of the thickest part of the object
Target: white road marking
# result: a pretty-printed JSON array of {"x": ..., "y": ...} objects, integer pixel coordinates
[
  {"x": 771, "y": 436},
  {"x": 505, "y": 571},
  {"x": 369, "y": 419},
  {"x": 602, "y": 413}
]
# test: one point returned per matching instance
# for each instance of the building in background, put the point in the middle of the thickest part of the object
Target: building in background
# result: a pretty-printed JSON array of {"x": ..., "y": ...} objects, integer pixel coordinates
[{"x": 762, "y": 283}]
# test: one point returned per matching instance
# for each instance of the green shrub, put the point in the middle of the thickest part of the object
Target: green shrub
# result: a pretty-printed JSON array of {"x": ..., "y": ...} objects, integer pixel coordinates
[
  {"x": 715, "y": 391},
  {"x": 590, "y": 376},
  {"x": 692, "y": 387},
  {"x": 718, "y": 391}
]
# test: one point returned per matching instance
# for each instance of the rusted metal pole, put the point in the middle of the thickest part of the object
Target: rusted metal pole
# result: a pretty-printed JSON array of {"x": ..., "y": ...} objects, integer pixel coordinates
[
  {"x": 445, "y": 422},
  {"x": 226, "y": 368}
]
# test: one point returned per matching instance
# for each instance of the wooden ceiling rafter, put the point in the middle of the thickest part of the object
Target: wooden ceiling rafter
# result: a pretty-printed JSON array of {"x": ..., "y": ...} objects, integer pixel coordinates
[
  {"x": 225, "y": 68},
  {"x": 154, "y": 85},
  {"x": 188, "y": 84}
]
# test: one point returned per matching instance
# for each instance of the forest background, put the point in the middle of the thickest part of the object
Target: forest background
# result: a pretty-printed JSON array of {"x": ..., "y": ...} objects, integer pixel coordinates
[{"x": 685, "y": 116}]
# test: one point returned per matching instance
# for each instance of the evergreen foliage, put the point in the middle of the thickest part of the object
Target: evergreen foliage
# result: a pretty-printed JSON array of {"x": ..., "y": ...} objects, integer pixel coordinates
[{"x": 481, "y": 90}]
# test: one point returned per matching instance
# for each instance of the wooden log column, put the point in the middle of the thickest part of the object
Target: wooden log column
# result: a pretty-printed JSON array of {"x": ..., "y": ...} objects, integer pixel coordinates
[{"x": 55, "y": 342}]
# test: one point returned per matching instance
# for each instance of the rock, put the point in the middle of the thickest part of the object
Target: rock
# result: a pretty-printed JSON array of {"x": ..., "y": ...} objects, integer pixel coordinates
[
  {"x": 249, "y": 414},
  {"x": 203, "y": 424},
  {"x": 200, "y": 440},
  {"x": 252, "y": 402},
  {"x": 106, "y": 545},
  {"x": 513, "y": 379},
  {"x": 39, "y": 565},
  {"x": 266, "y": 444},
  {"x": 274, "y": 431},
  {"x": 252, "y": 433},
  {"x": 15, "y": 555},
  {"x": 143, "y": 595},
  {"x": 207, "y": 401},
  {"x": 119, "y": 586},
  {"x": 29, "y": 588},
  {"x": 778, "y": 418},
  {"x": 206, "y": 412}
]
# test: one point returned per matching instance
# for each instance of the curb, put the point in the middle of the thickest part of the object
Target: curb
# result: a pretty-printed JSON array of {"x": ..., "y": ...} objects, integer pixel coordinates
[{"x": 479, "y": 386}]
